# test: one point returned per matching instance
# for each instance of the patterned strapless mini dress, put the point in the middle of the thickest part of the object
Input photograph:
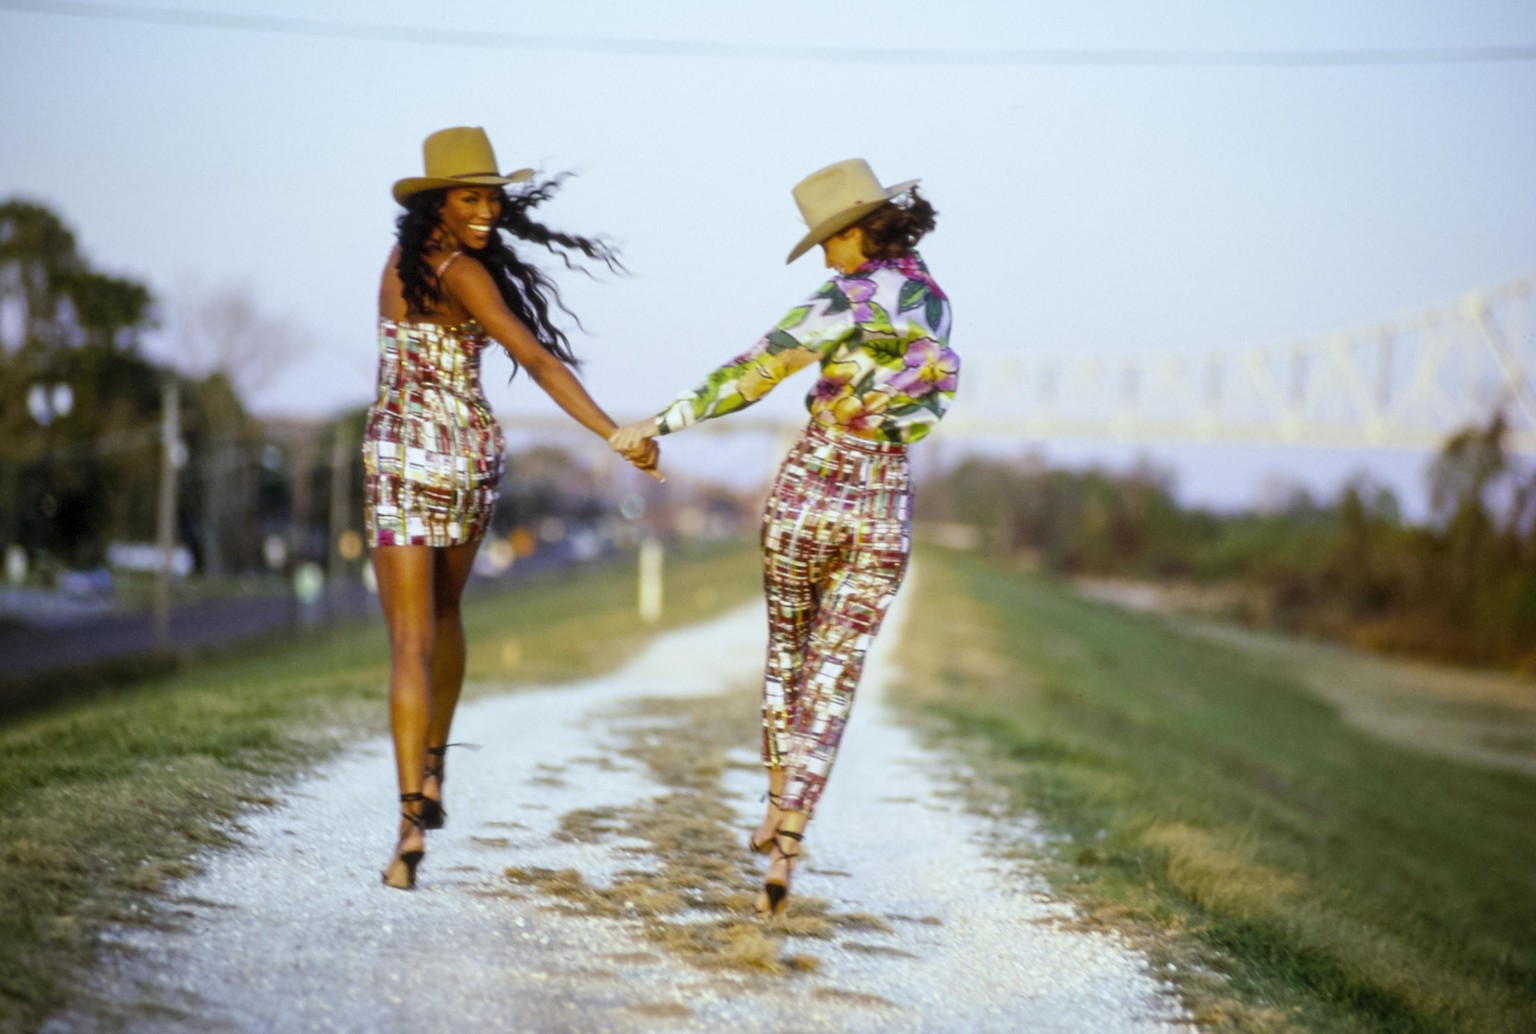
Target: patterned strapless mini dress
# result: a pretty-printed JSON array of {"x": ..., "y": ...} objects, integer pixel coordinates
[{"x": 432, "y": 450}]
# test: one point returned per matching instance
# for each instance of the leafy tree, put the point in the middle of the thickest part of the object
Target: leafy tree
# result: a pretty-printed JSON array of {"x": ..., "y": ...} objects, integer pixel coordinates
[
  {"x": 1462, "y": 587},
  {"x": 78, "y": 403}
]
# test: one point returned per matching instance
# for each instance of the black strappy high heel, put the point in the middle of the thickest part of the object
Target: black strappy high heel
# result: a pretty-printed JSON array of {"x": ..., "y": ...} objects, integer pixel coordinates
[
  {"x": 400, "y": 873},
  {"x": 433, "y": 814},
  {"x": 765, "y": 846},
  {"x": 778, "y": 893}
]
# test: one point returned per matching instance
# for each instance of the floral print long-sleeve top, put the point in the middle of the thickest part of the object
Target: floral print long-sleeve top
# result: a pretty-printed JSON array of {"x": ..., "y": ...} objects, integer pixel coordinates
[{"x": 881, "y": 334}]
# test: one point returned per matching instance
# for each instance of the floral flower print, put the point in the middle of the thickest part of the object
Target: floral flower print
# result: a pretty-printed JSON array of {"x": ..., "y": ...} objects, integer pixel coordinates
[
  {"x": 929, "y": 367},
  {"x": 860, "y": 414},
  {"x": 834, "y": 380},
  {"x": 881, "y": 335},
  {"x": 762, "y": 375},
  {"x": 859, "y": 292},
  {"x": 911, "y": 267}
]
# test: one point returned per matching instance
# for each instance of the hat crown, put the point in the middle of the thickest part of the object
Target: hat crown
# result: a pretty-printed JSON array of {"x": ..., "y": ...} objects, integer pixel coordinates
[
  {"x": 460, "y": 151},
  {"x": 457, "y": 157},
  {"x": 838, "y": 187},
  {"x": 834, "y": 198}
]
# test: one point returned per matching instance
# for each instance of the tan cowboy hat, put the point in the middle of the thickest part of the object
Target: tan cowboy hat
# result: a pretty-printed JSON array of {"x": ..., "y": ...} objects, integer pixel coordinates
[
  {"x": 458, "y": 157},
  {"x": 834, "y": 198}
]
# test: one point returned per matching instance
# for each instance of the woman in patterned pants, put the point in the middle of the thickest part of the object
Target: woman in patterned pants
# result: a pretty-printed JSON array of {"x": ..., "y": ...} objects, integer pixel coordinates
[{"x": 837, "y": 521}]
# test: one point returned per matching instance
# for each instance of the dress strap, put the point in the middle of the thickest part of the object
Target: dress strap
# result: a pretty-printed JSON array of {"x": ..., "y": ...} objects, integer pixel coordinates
[{"x": 442, "y": 266}]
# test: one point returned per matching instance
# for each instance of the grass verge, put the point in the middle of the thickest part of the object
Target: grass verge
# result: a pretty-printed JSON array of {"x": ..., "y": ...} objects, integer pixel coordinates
[
  {"x": 1316, "y": 878},
  {"x": 107, "y": 798}
]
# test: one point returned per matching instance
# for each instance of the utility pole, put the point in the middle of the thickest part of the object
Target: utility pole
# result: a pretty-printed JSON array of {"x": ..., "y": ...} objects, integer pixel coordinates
[
  {"x": 10, "y": 505},
  {"x": 341, "y": 510},
  {"x": 303, "y": 459},
  {"x": 165, "y": 529},
  {"x": 217, "y": 468}
]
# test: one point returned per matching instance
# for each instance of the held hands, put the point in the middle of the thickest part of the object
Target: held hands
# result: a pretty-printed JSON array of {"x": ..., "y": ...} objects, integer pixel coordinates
[
  {"x": 637, "y": 443},
  {"x": 635, "y": 435}
]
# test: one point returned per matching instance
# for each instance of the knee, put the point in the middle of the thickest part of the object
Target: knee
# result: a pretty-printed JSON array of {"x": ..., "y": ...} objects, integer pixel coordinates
[{"x": 411, "y": 647}]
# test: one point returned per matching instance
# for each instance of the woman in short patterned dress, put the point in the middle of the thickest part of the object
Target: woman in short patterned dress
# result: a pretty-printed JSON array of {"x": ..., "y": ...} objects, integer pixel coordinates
[
  {"x": 836, "y": 525},
  {"x": 432, "y": 450}
]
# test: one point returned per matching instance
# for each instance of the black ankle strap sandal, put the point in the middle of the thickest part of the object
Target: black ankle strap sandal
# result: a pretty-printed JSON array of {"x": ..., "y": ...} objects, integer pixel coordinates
[
  {"x": 791, "y": 834},
  {"x": 777, "y": 892},
  {"x": 764, "y": 846},
  {"x": 433, "y": 814},
  {"x": 412, "y": 798},
  {"x": 401, "y": 871}
]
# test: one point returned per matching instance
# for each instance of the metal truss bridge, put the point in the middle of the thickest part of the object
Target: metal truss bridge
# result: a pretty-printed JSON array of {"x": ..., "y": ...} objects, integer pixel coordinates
[{"x": 1405, "y": 383}]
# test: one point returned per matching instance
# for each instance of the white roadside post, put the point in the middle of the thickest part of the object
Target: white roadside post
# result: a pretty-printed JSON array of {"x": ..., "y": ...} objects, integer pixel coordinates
[
  {"x": 650, "y": 580},
  {"x": 15, "y": 564},
  {"x": 172, "y": 456}
]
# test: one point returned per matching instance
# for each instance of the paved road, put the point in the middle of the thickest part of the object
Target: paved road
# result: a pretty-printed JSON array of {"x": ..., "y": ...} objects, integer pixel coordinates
[
  {"x": 45, "y": 662},
  {"x": 592, "y": 878},
  {"x": 29, "y": 649},
  {"x": 39, "y": 655}
]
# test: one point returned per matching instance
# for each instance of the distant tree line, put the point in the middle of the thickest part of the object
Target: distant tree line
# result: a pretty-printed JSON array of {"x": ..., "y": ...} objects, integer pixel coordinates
[{"x": 1460, "y": 586}]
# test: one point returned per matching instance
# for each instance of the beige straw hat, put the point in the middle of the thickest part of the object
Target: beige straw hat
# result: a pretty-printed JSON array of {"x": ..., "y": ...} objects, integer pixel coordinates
[
  {"x": 457, "y": 157},
  {"x": 834, "y": 198}
]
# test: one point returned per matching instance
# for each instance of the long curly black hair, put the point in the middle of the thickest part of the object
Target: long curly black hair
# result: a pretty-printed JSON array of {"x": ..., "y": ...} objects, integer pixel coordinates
[{"x": 525, "y": 289}]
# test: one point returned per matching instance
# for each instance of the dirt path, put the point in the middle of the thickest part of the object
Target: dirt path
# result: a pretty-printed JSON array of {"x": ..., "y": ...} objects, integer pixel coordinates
[{"x": 592, "y": 878}]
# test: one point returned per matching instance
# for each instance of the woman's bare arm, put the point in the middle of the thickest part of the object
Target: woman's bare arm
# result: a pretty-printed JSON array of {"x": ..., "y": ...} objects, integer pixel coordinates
[{"x": 470, "y": 285}]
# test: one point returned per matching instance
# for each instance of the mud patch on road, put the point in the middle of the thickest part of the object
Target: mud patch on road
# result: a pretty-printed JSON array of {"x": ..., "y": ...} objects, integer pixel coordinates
[
  {"x": 860, "y": 947},
  {"x": 837, "y": 994},
  {"x": 587, "y": 825},
  {"x": 693, "y": 882},
  {"x": 662, "y": 1010}
]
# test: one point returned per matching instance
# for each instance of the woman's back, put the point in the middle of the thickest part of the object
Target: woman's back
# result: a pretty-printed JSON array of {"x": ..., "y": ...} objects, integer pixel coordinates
[{"x": 432, "y": 450}]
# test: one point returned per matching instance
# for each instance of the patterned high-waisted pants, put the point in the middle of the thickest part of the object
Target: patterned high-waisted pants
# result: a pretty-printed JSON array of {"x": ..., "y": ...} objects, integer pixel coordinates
[{"x": 836, "y": 534}]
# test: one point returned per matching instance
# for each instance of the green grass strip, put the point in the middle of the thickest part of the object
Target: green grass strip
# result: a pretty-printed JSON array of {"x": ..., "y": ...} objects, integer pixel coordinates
[
  {"x": 107, "y": 798},
  {"x": 1320, "y": 879}
]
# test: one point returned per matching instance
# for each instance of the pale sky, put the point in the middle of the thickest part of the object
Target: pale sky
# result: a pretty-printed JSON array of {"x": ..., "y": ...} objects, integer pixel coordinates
[{"x": 1082, "y": 207}]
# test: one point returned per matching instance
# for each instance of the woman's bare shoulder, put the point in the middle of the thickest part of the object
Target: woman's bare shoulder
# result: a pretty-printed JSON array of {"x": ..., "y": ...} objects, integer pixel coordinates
[
  {"x": 455, "y": 265},
  {"x": 467, "y": 284}
]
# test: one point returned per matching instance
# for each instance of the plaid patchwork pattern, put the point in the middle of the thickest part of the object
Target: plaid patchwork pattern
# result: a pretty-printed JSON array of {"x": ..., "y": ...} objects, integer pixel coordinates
[
  {"x": 836, "y": 536},
  {"x": 432, "y": 450}
]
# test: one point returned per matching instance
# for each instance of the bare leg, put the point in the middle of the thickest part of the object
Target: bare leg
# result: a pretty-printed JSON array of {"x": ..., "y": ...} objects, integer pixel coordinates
[
  {"x": 451, "y": 570},
  {"x": 404, "y": 575}
]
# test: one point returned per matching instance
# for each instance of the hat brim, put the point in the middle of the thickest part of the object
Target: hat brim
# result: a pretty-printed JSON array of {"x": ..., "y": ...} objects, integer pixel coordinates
[
  {"x": 842, "y": 220},
  {"x": 416, "y": 184}
]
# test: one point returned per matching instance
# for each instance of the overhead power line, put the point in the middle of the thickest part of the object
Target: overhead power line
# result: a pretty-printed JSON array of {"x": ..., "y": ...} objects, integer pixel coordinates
[{"x": 673, "y": 48}]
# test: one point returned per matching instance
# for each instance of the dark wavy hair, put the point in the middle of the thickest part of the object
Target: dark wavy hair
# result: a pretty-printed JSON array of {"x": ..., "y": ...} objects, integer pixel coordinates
[
  {"x": 525, "y": 289},
  {"x": 893, "y": 229}
]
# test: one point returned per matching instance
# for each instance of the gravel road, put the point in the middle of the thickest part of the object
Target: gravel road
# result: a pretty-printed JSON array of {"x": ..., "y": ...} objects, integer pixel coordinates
[{"x": 592, "y": 878}]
